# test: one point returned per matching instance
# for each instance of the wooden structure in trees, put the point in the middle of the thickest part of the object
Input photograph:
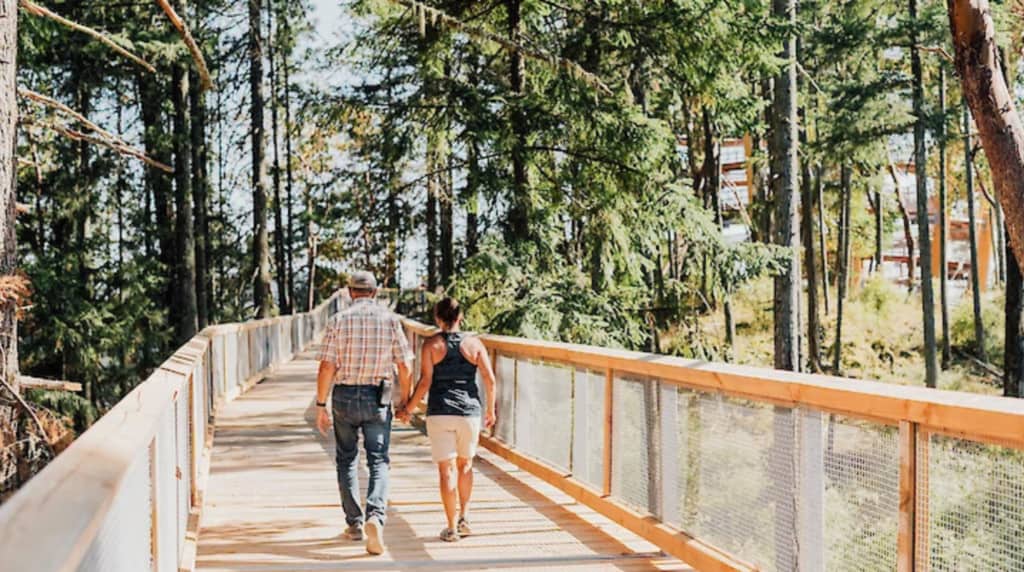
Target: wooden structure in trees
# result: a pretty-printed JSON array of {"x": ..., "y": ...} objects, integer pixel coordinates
[{"x": 601, "y": 459}]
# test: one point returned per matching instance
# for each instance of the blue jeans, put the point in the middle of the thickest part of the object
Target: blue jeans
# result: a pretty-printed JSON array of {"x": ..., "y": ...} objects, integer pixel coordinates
[{"x": 358, "y": 407}]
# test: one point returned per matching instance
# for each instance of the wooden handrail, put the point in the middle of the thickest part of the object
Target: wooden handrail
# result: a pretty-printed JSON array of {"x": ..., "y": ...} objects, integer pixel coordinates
[{"x": 50, "y": 524}]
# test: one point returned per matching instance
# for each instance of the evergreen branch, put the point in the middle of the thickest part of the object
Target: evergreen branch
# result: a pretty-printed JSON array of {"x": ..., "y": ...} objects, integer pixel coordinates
[
  {"x": 197, "y": 55},
  {"x": 116, "y": 145},
  {"x": 552, "y": 61},
  {"x": 54, "y": 104},
  {"x": 37, "y": 10}
]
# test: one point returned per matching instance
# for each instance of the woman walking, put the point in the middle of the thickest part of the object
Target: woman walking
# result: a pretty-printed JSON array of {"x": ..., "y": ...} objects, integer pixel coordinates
[{"x": 454, "y": 409}]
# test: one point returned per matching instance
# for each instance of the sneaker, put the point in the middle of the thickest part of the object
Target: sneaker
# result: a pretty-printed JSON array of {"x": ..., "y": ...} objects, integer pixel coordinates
[
  {"x": 463, "y": 527},
  {"x": 354, "y": 532},
  {"x": 374, "y": 536},
  {"x": 449, "y": 535}
]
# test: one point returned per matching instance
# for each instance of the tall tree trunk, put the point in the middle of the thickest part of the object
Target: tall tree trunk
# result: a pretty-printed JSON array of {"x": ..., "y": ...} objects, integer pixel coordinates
[
  {"x": 518, "y": 225},
  {"x": 763, "y": 171},
  {"x": 261, "y": 242},
  {"x": 472, "y": 195},
  {"x": 810, "y": 263},
  {"x": 183, "y": 310},
  {"x": 8, "y": 181},
  {"x": 431, "y": 216},
  {"x": 1013, "y": 351},
  {"x": 289, "y": 175},
  {"x": 280, "y": 260},
  {"x": 972, "y": 221},
  {"x": 158, "y": 183},
  {"x": 879, "y": 230},
  {"x": 200, "y": 190},
  {"x": 787, "y": 283},
  {"x": 819, "y": 197},
  {"x": 923, "y": 227},
  {"x": 943, "y": 225},
  {"x": 908, "y": 234},
  {"x": 992, "y": 104},
  {"x": 843, "y": 263}
]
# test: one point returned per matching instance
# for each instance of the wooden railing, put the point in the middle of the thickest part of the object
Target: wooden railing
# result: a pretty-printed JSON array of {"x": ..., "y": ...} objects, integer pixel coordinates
[
  {"x": 126, "y": 494},
  {"x": 739, "y": 468}
]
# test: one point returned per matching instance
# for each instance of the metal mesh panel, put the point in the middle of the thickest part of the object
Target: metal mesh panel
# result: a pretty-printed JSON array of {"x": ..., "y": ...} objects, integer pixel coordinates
[
  {"x": 588, "y": 427},
  {"x": 183, "y": 467},
  {"x": 971, "y": 498},
  {"x": 635, "y": 443},
  {"x": 861, "y": 495},
  {"x": 165, "y": 491},
  {"x": 123, "y": 540},
  {"x": 736, "y": 476},
  {"x": 544, "y": 402},
  {"x": 505, "y": 371}
]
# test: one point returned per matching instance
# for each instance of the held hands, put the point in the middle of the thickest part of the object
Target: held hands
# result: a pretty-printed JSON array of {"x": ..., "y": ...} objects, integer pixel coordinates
[
  {"x": 489, "y": 418},
  {"x": 323, "y": 420},
  {"x": 402, "y": 413}
]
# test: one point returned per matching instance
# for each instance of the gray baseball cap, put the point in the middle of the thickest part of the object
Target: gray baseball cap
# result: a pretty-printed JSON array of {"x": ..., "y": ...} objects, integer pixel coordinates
[{"x": 362, "y": 280}]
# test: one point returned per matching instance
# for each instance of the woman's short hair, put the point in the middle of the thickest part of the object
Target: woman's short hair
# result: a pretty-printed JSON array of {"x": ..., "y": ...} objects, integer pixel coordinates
[{"x": 448, "y": 310}]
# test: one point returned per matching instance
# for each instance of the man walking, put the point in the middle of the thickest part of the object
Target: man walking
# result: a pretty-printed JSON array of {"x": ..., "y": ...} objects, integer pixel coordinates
[{"x": 360, "y": 352}]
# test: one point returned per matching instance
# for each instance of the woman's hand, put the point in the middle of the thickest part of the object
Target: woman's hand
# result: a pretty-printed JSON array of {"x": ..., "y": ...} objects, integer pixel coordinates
[
  {"x": 489, "y": 418},
  {"x": 403, "y": 414}
]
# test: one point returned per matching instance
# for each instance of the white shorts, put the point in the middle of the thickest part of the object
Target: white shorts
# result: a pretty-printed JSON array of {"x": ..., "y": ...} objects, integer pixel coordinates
[{"x": 452, "y": 436}]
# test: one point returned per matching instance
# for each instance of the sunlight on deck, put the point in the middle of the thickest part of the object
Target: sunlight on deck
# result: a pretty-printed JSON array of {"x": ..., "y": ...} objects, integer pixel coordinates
[{"x": 272, "y": 502}]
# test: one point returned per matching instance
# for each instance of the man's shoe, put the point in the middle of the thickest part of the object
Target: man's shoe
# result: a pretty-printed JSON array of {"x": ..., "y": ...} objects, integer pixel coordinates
[
  {"x": 374, "y": 536},
  {"x": 354, "y": 532}
]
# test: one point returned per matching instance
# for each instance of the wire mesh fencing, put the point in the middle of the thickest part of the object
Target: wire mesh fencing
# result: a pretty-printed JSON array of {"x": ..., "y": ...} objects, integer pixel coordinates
[{"x": 776, "y": 486}]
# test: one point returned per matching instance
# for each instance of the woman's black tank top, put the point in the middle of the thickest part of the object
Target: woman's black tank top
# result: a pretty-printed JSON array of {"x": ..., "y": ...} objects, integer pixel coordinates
[{"x": 454, "y": 390}]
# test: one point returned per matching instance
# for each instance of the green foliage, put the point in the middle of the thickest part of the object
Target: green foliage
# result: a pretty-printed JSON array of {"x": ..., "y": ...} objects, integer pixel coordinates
[{"x": 961, "y": 327}]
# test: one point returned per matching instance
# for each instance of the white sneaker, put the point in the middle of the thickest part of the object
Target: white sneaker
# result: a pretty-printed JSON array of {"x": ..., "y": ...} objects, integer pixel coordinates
[{"x": 374, "y": 536}]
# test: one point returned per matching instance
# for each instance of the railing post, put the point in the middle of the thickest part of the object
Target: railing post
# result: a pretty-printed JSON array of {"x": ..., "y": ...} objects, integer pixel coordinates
[
  {"x": 906, "y": 553},
  {"x": 811, "y": 515},
  {"x": 668, "y": 423},
  {"x": 606, "y": 465}
]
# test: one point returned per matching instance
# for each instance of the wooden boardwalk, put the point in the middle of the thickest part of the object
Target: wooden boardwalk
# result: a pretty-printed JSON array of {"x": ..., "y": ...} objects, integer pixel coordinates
[{"x": 272, "y": 502}]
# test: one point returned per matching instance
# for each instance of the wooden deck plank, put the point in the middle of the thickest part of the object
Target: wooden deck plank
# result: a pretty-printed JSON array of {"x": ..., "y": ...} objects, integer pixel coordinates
[{"x": 272, "y": 504}]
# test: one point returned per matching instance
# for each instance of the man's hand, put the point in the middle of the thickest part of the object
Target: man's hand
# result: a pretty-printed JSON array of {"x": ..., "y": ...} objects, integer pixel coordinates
[
  {"x": 323, "y": 420},
  {"x": 402, "y": 414},
  {"x": 489, "y": 418}
]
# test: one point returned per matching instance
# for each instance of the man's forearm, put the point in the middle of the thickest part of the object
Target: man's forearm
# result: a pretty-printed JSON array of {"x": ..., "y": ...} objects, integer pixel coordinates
[
  {"x": 404, "y": 382},
  {"x": 324, "y": 381}
]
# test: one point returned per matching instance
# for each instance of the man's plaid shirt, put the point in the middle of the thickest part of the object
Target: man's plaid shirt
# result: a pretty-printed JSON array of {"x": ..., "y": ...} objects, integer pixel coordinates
[{"x": 365, "y": 342}]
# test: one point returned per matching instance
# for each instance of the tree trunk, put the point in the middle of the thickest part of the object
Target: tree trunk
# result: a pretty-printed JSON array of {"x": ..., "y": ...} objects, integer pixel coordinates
[
  {"x": 923, "y": 227},
  {"x": 843, "y": 263},
  {"x": 431, "y": 216},
  {"x": 1013, "y": 351},
  {"x": 992, "y": 104},
  {"x": 183, "y": 310},
  {"x": 810, "y": 263},
  {"x": 8, "y": 181},
  {"x": 908, "y": 234},
  {"x": 819, "y": 197},
  {"x": 763, "y": 172},
  {"x": 943, "y": 225},
  {"x": 879, "y": 230},
  {"x": 280, "y": 261},
  {"x": 261, "y": 242},
  {"x": 200, "y": 190},
  {"x": 472, "y": 194},
  {"x": 158, "y": 183},
  {"x": 972, "y": 222},
  {"x": 787, "y": 283},
  {"x": 289, "y": 175},
  {"x": 518, "y": 226}
]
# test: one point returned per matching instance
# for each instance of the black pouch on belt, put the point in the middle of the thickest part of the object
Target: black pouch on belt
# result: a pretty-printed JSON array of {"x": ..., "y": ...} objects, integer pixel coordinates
[{"x": 385, "y": 392}]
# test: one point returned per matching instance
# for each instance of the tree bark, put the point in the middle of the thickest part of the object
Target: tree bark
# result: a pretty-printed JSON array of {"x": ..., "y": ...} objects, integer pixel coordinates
[
  {"x": 261, "y": 242},
  {"x": 518, "y": 225},
  {"x": 787, "y": 283},
  {"x": 1013, "y": 351},
  {"x": 8, "y": 182},
  {"x": 843, "y": 263},
  {"x": 200, "y": 191},
  {"x": 819, "y": 175},
  {"x": 943, "y": 225},
  {"x": 923, "y": 227},
  {"x": 183, "y": 310},
  {"x": 289, "y": 175},
  {"x": 280, "y": 260},
  {"x": 972, "y": 222},
  {"x": 993, "y": 106},
  {"x": 810, "y": 263},
  {"x": 431, "y": 216}
]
